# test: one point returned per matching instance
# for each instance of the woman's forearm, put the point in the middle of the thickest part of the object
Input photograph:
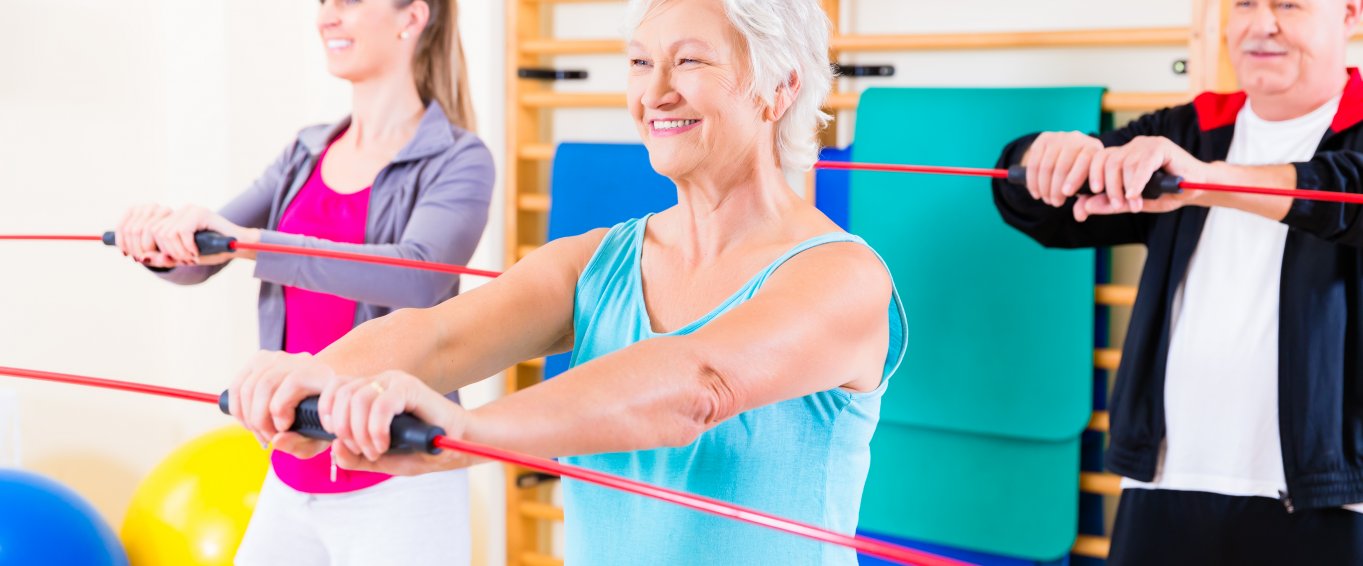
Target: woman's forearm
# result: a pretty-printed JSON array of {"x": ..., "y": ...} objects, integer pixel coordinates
[
  {"x": 653, "y": 394},
  {"x": 406, "y": 340}
]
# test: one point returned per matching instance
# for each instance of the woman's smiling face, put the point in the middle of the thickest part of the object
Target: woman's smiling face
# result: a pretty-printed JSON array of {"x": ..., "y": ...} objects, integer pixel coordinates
[{"x": 688, "y": 89}]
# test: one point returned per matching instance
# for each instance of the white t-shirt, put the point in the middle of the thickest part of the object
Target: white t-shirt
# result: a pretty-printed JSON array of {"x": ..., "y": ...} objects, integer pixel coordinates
[{"x": 1221, "y": 382}]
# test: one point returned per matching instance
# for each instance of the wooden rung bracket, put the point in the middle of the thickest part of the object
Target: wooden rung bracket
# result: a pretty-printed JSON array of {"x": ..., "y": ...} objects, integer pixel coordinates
[
  {"x": 542, "y": 74},
  {"x": 855, "y": 71},
  {"x": 527, "y": 480}
]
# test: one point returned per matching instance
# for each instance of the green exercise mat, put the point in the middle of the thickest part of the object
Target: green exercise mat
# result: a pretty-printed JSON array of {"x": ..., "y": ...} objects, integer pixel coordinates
[{"x": 978, "y": 446}]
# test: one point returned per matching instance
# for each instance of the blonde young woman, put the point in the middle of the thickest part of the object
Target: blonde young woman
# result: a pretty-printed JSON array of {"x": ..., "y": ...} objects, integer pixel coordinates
[{"x": 402, "y": 176}]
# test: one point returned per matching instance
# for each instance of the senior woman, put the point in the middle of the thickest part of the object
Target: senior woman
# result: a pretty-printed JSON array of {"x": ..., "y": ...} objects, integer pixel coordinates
[{"x": 736, "y": 345}]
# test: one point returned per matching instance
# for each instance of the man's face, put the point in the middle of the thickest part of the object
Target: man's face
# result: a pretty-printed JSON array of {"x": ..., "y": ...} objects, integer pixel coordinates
[{"x": 1277, "y": 46}]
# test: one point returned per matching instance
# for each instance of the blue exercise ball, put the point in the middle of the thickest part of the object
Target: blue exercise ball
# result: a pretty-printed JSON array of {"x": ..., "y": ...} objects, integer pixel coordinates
[{"x": 44, "y": 522}]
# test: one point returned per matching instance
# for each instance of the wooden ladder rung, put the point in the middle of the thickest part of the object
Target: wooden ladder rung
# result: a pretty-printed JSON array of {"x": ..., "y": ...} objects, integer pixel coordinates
[
  {"x": 552, "y": 46},
  {"x": 1101, "y": 483},
  {"x": 537, "y": 152},
  {"x": 542, "y": 511},
  {"x": 525, "y": 250},
  {"x": 1095, "y": 37},
  {"x": 533, "y": 202},
  {"x": 1110, "y": 37},
  {"x": 1091, "y": 546},
  {"x": 1107, "y": 358},
  {"x": 537, "y": 559},
  {"x": 1114, "y": 295},
  {"x": 1100, "y": 421},
  {"x": 1112, "y": 101}
]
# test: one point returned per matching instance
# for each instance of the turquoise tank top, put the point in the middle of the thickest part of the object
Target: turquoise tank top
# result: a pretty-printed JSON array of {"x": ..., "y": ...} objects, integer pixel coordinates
[{"x": 804, "y": 458}]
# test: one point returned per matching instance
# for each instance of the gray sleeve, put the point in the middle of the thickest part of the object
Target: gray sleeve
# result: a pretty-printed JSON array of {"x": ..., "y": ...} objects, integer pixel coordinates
[
  {"x": 446, "y": 223},
  {"x": 251, "y": 209}
]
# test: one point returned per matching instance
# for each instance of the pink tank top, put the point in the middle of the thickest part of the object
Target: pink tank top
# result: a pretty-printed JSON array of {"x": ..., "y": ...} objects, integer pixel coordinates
[{"x": 312, "y": 320}]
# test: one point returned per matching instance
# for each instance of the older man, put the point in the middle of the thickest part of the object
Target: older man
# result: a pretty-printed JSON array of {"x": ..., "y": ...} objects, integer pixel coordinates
[{"x": 1238, "y": 407}]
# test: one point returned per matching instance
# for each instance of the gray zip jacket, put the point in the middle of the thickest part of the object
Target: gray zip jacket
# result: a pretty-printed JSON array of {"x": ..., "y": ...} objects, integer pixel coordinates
[{"x": 430, "y": 204}]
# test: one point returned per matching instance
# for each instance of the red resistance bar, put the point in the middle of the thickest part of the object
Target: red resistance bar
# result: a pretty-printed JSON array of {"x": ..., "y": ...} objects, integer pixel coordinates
[
  {"x": 894, "y": 553},
  {"x": 1304, "y": 194},
  {"x": 366, "y": 258},
  {"x": 212, "y": 242},
  {"x": 50, "y": 237}
]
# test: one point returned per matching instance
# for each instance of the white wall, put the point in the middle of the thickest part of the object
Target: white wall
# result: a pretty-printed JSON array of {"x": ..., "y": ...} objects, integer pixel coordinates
[{"x": 108, "y": 104}]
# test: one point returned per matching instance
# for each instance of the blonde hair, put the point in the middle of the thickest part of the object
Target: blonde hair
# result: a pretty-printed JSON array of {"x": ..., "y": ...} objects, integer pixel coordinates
[
  {"x": 784, "y": 37},
  {"x": 438, "y": 64}
]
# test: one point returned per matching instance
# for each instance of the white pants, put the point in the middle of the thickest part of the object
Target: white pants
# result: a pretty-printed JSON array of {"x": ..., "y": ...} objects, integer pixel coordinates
[{"x": 406, "y": 520}]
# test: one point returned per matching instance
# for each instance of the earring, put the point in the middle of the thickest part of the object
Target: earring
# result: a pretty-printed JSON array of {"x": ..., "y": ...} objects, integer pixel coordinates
[{"x": 404, "y": 35}]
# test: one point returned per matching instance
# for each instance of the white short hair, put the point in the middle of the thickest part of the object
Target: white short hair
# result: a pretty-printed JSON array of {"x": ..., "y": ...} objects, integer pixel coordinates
[{"x": 783, "y": 37}]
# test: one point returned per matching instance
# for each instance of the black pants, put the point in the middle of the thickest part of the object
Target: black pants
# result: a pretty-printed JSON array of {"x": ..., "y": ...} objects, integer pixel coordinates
[{"x": 1173, "y": 528}]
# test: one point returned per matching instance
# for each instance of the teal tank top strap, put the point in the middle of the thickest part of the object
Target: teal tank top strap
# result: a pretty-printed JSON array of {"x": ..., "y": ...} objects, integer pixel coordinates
[
  {"x": 898, "y": 322},
  {"x": 612, "y": 274}
]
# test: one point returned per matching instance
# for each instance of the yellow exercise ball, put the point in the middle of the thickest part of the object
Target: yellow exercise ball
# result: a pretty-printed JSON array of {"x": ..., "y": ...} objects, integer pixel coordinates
[{"x": 193, "y": 507}]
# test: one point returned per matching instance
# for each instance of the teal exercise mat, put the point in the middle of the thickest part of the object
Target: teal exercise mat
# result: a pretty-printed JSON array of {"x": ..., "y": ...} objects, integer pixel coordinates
[
  {"x": 1000, "y": 329},
  {"x": 986, "y": 494},
  {"x": 979, "y": 439}
]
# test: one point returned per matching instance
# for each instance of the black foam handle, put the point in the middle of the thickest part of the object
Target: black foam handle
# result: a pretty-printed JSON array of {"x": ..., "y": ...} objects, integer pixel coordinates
[
  {"x": 1160, "y": 183},
  {"x": 208, "y": 241},
  {"x": 406, "y": 434}
]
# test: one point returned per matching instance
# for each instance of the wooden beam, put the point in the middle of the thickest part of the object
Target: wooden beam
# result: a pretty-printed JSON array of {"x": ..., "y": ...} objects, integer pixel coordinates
[
  {"x": 524, "y": 125},
  {"x": 1209, "y": 67}
]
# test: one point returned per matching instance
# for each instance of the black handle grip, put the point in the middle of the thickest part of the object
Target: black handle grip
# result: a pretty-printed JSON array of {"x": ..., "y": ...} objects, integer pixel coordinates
[
  {"x": 1161, "y": 183},
  {"x": 208, "y": 242},
  {"x": 551, "y": 74},
  {"x": 406, "y": 434}
]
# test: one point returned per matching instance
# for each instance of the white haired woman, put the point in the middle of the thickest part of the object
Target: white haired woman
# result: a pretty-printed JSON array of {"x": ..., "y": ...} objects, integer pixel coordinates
[{"x": 736, "y": 345}]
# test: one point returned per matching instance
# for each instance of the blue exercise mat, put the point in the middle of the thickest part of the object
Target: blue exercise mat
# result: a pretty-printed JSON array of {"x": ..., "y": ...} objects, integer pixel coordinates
[{"x": 599, "y": 185}]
